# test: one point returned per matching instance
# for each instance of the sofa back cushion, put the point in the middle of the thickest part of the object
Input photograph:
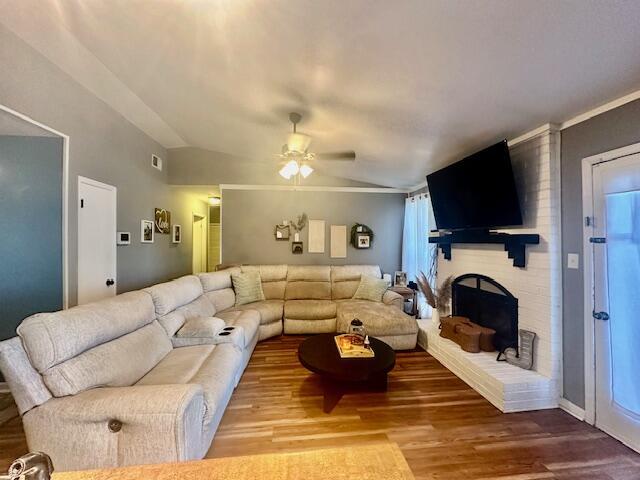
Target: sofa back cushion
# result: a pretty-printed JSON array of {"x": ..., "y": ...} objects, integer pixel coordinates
[
  {"x": 170, "y": 295},
  {"x": 308, "y": 282},
  {"x": 52, "y": 338},
  {"x": 118, "y": 363},
  {"x": 200, "y": 307},
  {"x": 345, "y": 279},
  {"x": 273, "y": 277},
  {"x": 218, "y": 288}
]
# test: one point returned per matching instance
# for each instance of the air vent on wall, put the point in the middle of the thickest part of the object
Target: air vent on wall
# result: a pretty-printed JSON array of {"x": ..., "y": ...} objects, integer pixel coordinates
[{"x": 156, "y": 162}]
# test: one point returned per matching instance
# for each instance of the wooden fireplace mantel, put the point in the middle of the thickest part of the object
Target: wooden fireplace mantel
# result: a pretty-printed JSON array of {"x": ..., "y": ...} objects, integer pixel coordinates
[{"x": 514, "y": 244}]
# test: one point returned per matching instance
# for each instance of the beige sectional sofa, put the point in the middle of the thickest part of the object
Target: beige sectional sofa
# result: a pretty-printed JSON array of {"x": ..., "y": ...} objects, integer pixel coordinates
[{"x": 145, "y": 377}]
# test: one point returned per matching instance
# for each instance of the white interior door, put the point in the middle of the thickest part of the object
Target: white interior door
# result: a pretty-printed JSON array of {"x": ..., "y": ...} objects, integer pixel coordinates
[
  {"x": 199, "y": 250},
  {"x": 97, "y": 204},
  {"x": 616, "y": 297}
]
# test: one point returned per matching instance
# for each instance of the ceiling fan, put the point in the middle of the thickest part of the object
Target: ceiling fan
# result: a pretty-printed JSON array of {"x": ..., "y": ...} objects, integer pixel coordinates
[{"x": 296, "y": 156}]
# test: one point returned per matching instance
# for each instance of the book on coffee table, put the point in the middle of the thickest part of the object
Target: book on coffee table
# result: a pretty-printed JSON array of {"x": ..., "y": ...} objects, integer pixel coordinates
[{"x": 351, "y": 346}]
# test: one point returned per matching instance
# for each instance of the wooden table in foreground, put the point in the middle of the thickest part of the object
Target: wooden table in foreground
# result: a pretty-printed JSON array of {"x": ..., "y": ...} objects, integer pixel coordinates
[{"x": 369, "y": 462}]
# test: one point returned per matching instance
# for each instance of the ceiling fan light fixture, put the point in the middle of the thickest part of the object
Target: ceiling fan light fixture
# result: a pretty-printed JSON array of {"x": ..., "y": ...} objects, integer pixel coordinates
[
  {"x": 298, "y": 142},
  {"x": 290, "y": 169},
  {"x": 305, "y": 170}
]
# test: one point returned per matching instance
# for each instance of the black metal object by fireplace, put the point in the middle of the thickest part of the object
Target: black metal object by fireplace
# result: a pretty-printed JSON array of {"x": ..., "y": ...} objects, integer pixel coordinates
[{"x": 485, "y": 302}]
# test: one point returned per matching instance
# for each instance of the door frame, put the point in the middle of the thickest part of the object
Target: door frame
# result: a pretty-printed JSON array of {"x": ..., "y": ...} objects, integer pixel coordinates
[
  {"x": 587, "y": 253},
  {"x": 204, "y": 238},
  {"x": 114, "y": 190},
  {"x": 65, "y": 196}
]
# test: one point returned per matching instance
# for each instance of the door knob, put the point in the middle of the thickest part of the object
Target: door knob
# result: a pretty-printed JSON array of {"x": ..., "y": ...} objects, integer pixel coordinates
[
  {"x": 604, "y": 316},
  {"x": 110, "y": 281}
]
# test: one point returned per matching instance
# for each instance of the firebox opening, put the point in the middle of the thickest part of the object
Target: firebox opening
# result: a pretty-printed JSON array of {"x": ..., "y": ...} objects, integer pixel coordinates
[{"x": 485, "y": 302}]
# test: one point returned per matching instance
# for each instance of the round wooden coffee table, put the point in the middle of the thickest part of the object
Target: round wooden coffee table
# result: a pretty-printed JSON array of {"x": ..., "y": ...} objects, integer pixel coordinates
[{"x": 319, "y": 354}]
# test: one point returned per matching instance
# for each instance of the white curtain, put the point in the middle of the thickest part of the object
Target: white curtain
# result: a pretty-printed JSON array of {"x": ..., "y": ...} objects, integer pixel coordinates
[{"x": 416, "y": 250}]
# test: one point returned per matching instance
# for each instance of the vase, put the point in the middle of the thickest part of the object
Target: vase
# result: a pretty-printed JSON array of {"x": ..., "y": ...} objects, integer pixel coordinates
[
  {"x": 296, "y": 237},
  {"x": 435, "y": 316}
]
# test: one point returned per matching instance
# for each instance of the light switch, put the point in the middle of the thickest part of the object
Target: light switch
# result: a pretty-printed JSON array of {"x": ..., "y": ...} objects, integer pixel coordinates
[{"x": 573, "y": 261}]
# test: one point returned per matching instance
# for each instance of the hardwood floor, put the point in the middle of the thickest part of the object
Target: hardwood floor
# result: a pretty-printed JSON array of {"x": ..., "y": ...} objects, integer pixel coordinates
[{"x": 443, "y": 427}]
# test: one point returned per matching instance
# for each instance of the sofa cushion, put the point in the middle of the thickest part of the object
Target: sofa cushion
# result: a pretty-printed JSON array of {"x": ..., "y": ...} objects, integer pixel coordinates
[
  {"x": 270, "y": 310},
  {"x": 248, "y": 287},
  {"x": 52, "y": 338},
  {"x": 249, "y": 320},
  {"x": 170, "y": 295},
  {"x": 217, "y": 280},
  {"x": 214, "y": 367},
  {"x": 273, "y": 277},
  {"x": 308, "y": 282},
  {"x": 118, "y": 363},
  {"x": 200, "y": 307},
  {"x": 345, "y": 279},
  {"x": 309, "y": 309},
  {"x": 201, "y": 327},
  {"x": 371, "y": 289},
  {"x": 378, "y": 319}
]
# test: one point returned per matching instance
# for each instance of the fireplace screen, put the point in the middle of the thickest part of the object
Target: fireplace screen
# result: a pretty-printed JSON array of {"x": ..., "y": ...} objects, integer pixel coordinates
[{"x": 485, "y": 302}]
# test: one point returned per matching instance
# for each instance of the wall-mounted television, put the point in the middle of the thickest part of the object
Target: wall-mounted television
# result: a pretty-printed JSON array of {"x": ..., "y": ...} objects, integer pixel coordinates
[{"x": 477, "y": 192}]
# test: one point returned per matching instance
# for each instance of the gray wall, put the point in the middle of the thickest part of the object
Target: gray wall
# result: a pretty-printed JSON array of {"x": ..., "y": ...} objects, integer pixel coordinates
[
  {"x": 30, "y": 228},
  {"x": 613, "y": 129},
  {"x": 249, "y": 218},
  {"x": 106, "y": 147}
]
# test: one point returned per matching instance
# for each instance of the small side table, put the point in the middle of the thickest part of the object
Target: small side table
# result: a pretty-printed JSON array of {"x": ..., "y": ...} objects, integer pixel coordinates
[{"x": 408, "y": 294}]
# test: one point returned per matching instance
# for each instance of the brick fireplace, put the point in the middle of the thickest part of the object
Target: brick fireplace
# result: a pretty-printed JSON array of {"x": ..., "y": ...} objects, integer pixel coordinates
[{"x": 537, "y": 287}]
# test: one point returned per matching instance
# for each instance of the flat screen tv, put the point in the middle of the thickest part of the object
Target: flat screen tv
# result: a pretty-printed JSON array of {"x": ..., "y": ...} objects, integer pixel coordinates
[{"x": 478, "y": 192}]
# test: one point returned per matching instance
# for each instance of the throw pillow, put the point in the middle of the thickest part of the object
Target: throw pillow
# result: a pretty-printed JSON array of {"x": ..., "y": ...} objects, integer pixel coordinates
[
  {"x": 248, "y": 287},
  {"x": 371, "y": 288},
  {"x": 201, "y": 327}
]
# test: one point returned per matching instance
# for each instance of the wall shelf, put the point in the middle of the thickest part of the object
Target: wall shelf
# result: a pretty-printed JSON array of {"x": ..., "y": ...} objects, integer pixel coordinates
[{"x": 514, "y": 244}]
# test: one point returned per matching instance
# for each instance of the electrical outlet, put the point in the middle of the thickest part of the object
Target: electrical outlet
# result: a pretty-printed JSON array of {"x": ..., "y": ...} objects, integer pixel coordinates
[{"x": 573, "y": 261}]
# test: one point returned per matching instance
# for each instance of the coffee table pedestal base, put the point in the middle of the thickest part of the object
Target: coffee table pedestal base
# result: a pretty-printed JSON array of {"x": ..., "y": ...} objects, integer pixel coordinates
[{"x": 333, "y": 390}]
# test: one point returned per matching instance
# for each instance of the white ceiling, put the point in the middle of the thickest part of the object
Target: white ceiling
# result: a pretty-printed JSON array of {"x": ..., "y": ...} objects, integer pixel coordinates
[{"x": 409, "y": 85}]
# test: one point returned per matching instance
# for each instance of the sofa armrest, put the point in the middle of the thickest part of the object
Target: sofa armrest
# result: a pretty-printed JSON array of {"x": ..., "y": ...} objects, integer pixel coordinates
[
  {"x": 110, "y": 427},
  {"x": 393, "y": 298}
]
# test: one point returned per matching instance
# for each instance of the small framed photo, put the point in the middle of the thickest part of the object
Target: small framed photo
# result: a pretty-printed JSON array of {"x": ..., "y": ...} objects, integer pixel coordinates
[
  {"x": 123, "y": 238},
  {"x": 400, "y": 279},
  {"x": 146, "y": 231},
  {"x": 296, "y": 248},
  {"x": 363, "y": 241},
  {"x": 176, "y": 236},
  {"x": 282, "y": 232}
]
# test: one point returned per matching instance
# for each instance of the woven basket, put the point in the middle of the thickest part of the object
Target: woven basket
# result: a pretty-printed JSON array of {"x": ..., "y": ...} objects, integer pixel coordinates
[{"x": 471, "y": 337}]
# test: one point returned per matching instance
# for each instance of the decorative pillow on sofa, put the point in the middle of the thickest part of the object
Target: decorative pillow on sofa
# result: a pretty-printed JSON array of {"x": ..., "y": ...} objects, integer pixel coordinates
[
  {"x": 201, "y": 327},
  {"x": 248, "y": 287},
  {"x": 371, "y": 288}
]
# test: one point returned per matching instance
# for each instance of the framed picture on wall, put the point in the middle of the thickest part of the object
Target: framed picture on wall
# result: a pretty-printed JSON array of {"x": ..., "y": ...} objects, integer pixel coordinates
[
  {"x": 176, "y": 236},
  {"x": 363, "y": 240},
  {"x": 163, "y": 220},
  {"x": 282, "y": 232},
  {"x": 146, "y": 231}
]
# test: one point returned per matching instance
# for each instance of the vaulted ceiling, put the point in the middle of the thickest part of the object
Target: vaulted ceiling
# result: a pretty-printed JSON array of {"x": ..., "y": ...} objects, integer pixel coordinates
[{"x": 409, "y": 85}]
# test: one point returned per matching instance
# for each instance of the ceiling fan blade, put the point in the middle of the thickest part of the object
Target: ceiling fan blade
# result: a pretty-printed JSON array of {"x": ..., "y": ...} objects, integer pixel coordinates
[{"x": 348, "y": 155}]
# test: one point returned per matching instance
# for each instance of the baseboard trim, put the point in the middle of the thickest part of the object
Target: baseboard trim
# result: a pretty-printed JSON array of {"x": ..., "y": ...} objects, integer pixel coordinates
[
  {"x": 4, "y": 387},
  {"x": 572, "y": 409}
]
